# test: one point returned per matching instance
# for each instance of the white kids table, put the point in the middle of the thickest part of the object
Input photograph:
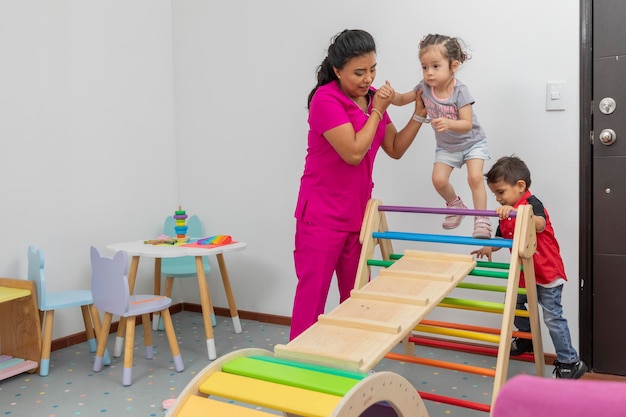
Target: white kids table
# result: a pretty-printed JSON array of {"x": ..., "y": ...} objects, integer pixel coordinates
[{"x": 139, "y": 249}]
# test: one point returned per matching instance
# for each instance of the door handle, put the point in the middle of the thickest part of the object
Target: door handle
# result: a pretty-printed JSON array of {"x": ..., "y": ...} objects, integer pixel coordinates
[{"x": 607, "y": 137}]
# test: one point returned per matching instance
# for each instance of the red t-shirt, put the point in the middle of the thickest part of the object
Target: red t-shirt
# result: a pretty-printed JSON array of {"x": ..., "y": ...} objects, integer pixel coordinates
[{"x": 547, "y": 257}]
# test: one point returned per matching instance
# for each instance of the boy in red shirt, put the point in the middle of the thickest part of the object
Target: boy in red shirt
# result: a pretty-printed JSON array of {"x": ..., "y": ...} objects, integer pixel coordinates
[{"x": 509, "y": 180}]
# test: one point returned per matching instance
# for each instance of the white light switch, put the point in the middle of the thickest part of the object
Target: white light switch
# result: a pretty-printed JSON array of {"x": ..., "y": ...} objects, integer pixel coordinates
[{"x": 555, "y": 96}]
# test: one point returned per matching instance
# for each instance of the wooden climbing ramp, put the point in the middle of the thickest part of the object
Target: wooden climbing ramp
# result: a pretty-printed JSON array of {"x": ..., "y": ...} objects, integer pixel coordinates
[{"x": 360, "y": 331}]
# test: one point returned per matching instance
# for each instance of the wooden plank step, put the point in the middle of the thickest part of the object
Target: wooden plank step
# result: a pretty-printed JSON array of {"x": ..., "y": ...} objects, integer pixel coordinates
[
  {"x": 324, "y": 355},
  {"x": 366, "y": 294},
  {"x": 358, "y": 333},
  {"x": 444, "y": 268},
  {"x": 388, "y": 312},
  {"x": 359, "y": 323},
  {"x": 423, "y": 289},
  {"x": 441, "y": 256},
  {"x": 435, "y": 276},
  {"x": 348, "y": 347},
  {"x": 270, "y": 395},
  {"x": 290, "y": 375},
  {"x": 200, "y": 406}
]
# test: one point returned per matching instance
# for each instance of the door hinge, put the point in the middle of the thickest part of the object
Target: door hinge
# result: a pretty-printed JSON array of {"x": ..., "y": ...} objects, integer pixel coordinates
[{"x": 591, "y": 124}]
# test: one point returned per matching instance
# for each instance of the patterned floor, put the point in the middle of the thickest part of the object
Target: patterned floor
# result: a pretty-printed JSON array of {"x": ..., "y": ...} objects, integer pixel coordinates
[{"x": 73, "y": 389}]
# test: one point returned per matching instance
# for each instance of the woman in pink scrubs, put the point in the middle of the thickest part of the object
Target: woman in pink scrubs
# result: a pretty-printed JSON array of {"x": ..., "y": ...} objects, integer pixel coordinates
[{"x": 348, "y": 123}]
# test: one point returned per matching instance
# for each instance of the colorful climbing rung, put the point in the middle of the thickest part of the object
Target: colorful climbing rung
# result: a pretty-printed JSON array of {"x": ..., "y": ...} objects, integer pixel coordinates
[
  {"x": 459, "y": 240},
  {"x": 200, "y": 406},
  {"x": 279, "y": 397},
  {"x": 486, "y": 306},
  {"x": 304, "y": 365}
]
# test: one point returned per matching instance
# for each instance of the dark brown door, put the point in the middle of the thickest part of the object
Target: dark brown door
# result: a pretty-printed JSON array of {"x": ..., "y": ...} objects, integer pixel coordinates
[{"x": 608, "y": 188}]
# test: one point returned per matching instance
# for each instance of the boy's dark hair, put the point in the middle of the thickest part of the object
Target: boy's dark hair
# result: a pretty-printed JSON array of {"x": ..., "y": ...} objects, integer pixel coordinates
[{"x": 509, "y": 169}]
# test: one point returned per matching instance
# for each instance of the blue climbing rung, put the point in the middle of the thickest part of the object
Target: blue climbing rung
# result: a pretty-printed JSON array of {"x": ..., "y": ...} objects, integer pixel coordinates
[{"x": 458, "y": 240}]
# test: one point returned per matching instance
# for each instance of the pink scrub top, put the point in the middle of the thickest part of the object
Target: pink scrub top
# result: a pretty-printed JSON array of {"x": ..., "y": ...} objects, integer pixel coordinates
[{"x": 333, "y": 193}]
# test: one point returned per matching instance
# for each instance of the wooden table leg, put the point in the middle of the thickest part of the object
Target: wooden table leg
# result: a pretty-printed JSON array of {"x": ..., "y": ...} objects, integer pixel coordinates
[
  {"x": 156, "y": 317},
  {"x": 229, "y": 293},
  {"x": 89, "y": 328},
  {"x": 205, "y": 301},
  {"x": 121, "y": 328},
  {"x": 97, "y": 326}
]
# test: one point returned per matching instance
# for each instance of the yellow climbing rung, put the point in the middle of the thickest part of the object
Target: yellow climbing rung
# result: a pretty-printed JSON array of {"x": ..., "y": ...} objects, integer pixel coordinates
[
  {"x": 279, "y": 397},
  {"x": 199, "y": 406},
  {"x": 467, "y": 334}
]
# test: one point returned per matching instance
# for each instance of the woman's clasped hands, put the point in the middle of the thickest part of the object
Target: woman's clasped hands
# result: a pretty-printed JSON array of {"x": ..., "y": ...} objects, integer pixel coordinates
[{"x": 383, "y": 97}]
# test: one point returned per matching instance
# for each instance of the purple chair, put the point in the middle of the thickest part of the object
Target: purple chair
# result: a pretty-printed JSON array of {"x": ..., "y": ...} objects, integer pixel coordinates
[{"x": 111, "y": 295}]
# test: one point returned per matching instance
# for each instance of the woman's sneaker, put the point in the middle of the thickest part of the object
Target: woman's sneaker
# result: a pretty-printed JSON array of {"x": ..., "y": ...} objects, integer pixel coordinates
[
  {"x": 569, "y": 370},
  {"x": 454, "y": 220},
  {"x": 519, "y": 346}
]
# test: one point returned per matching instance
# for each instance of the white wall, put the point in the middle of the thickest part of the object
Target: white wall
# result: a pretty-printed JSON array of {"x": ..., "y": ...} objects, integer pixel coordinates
[
  {"x": 234, "y": 76},
  {"x": 87, "y": 133}
]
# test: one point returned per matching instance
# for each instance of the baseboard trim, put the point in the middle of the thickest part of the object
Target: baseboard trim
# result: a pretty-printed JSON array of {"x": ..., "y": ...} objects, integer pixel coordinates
[
  {"x": 81, "y": 337},
  {"x": 245, "y": 315}
]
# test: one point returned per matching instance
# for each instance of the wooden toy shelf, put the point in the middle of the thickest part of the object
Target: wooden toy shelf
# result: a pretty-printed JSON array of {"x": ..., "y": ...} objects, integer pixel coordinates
[{"x": 20, "y": 328}]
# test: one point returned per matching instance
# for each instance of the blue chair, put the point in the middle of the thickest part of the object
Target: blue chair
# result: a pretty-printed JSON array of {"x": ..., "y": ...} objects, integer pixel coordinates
[
  {"x": 111, "y": 294},
  {"x": 49, "y": 302},
  {"x": 184, "y": 267}
]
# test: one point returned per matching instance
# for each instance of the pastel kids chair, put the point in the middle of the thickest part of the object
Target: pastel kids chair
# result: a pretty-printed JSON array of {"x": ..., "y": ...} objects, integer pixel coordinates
[
  {"x": 111, "y": 294},
  {"x": 183, "y": 267},
  {"x": 49, "y": 302}
]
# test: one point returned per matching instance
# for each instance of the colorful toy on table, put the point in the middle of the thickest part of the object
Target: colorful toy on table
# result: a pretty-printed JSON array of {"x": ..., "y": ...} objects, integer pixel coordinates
[
  {"x": 180, "y": 216},
  {"x": 161, "y": 240},
  {"x": 215, "y": 240}
]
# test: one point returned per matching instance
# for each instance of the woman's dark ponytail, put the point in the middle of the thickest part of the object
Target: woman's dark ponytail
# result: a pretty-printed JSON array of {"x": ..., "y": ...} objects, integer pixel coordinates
[{"x": 343, "y": 47}]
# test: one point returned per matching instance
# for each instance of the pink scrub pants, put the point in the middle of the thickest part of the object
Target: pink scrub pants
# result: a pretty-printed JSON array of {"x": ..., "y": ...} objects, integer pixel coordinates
[{"x": 320, "y": 252}]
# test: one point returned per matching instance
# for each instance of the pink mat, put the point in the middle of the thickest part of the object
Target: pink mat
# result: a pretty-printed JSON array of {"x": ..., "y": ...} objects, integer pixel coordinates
[{"x": 532, "y": 396}]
